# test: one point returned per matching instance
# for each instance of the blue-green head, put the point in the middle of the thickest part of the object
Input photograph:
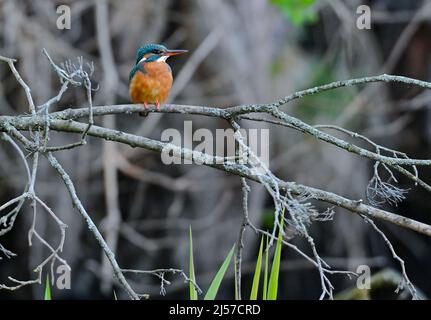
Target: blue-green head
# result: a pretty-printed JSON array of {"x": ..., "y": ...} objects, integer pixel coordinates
[{"x": 155, "y": 52}]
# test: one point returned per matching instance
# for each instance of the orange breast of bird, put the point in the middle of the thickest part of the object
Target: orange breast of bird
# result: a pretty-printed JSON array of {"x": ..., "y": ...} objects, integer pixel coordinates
[{"x": 152, "y": 86}]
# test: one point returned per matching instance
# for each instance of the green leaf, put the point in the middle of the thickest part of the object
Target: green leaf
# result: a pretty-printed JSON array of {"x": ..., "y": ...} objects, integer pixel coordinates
[
  {"x": 265, "y": 273},
  {"x": 297, "y": 11},
  {"x": 275, "y": 270},
  {"x": 193, "y": 292},
  {"x": 257, "y": 272},
  {"x": 47, "y": 289},
  {"x": 235, "y": 276},
  {"x": 215, "y": 284}
]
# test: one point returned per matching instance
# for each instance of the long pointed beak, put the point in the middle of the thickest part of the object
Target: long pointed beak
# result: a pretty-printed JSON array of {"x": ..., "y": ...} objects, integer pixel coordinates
[{"x": 173, "y": 52}]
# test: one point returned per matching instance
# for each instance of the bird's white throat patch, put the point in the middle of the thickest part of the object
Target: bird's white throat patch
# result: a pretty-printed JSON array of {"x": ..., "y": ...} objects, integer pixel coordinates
[{"x": 161, "y": 59}]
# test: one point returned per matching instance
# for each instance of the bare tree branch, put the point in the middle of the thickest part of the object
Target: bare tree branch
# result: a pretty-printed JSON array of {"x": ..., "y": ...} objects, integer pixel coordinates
[
  {"x": 93, "y": 228},
  {"x": 289, "y": 198}
]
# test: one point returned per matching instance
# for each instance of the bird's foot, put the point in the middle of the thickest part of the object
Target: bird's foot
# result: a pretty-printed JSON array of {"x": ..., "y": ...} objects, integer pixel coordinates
[{"x": 144, "y": 113}]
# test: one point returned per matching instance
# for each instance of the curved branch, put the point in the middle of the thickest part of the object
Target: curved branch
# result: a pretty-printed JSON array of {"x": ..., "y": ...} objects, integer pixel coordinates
[
  {"x": 77, "y": 203},
  {"x": 233, "y": 168}
]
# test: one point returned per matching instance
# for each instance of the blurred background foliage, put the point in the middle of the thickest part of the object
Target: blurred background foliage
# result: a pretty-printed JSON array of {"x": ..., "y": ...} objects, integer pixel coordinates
[
  {"x": 297, "y": 11},
  {"x": 250, "y": 51}
]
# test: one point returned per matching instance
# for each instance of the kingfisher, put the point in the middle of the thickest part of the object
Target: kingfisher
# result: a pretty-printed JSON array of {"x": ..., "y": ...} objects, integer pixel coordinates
[{"x": 150, "y": 80}]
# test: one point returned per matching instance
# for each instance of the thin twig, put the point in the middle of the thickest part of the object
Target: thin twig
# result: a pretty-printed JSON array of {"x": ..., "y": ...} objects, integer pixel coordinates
[
  {"x": 240, "y": 244},
  {"x": 91, "y": 226},
  {"x": 407, "y": 281},
  {"x": 160, "y": 273}
]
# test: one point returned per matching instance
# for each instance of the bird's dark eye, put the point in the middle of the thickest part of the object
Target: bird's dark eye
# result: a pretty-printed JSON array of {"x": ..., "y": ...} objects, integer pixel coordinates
[{"x": 157, "y": 51}]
